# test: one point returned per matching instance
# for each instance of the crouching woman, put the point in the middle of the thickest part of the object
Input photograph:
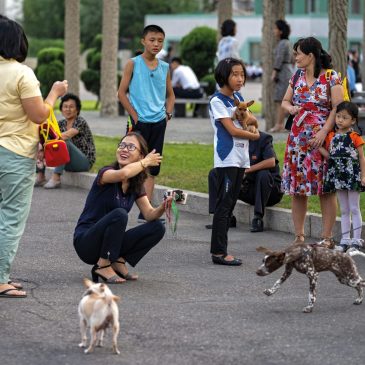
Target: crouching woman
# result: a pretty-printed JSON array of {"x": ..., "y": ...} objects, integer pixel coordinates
[{"x": 101, "y": 237}]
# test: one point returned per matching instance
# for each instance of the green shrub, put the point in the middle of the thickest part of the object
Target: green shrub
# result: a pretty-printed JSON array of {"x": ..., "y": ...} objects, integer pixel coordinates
[
  {"x": 198, "y": 50},
  {"x": 211, "y": 88},
  {"x": 91, "y": 76},
  {"x": 36, "y": 44},
  {"x": 50, "y": 67},
  {"x": 51, "y": 54}
]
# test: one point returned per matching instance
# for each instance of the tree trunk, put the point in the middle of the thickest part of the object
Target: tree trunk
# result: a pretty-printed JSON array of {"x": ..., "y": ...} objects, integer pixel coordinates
[
  {"x": 337, "y": 34},
  {"x": 272, "y": 11},
  {"x": 109, "y": 50},
  {"x": 224, "y": 10},
  {"x": 72, "y": 45}
]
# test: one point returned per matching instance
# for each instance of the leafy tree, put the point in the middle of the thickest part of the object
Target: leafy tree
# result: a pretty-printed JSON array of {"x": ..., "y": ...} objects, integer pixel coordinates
[
  {"x": 198, "y": 50},
  {"x": 50, "y": 67},
  {"x": 44, "y": 18}
]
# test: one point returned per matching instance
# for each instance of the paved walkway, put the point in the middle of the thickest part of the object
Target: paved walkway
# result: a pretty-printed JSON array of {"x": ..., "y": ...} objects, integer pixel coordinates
[{"x": 183, "y": 310}]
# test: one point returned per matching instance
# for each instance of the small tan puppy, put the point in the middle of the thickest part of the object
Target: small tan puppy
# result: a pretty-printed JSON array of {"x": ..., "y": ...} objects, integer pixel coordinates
[
  {"x": 98, "y": 310},
  {"x": 244, "y": 116}
]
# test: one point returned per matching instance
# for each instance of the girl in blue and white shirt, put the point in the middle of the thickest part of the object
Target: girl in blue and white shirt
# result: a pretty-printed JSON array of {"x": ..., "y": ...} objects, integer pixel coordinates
[{"x": 231, "y": 156}]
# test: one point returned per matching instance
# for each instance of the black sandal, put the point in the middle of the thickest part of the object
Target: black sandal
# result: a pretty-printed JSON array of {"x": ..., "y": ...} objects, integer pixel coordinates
[
  {"x": 126, "y": 276},
  {"x": 221, "y": 260},
  {"x": 112, "y": 280}
]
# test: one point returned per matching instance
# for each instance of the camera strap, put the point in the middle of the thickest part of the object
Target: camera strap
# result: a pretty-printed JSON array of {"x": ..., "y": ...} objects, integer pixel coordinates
[{"x": 172, "y": 214}]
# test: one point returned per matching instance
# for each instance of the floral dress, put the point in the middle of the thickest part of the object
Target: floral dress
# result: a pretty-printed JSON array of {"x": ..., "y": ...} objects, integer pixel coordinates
[
  {"x": 344, "y": 171},
  {"x": 303, "y": 170}
]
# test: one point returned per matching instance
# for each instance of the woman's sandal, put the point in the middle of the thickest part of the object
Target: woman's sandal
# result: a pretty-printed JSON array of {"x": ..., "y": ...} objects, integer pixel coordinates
[
  {"x": 7, "y": 293},
  {"x": 112, "y": 280},
  {"x": 126, "y": 276},
  {"x": 15, "y": 285},
  {"x": 299, "y": 238}
]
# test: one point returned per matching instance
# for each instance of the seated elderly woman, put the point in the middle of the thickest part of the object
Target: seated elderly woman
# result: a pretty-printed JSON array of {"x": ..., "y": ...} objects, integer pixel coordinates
[
  {"x": 80, "y": 143},
  {"x": 101, "y": 236}
]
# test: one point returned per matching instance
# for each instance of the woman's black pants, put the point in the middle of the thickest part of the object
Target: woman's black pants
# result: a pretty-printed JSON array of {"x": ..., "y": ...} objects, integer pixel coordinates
[{"x": 109, "y": 239}]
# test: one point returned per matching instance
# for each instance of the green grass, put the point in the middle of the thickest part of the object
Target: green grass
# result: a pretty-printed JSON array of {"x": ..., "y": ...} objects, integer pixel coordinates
[{"x": 186, "y": 166}]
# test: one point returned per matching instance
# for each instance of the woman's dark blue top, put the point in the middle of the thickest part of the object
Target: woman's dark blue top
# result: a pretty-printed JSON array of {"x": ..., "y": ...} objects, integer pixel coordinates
[{"x": 101, "y": 200}]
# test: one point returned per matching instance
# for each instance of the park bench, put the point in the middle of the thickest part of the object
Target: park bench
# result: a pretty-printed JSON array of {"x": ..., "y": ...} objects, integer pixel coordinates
[{"x": 200, "y": 105}]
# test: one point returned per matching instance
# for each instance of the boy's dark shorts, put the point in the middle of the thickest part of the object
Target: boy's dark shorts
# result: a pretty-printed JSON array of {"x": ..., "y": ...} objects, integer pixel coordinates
[{"x": 154, "y": 134}]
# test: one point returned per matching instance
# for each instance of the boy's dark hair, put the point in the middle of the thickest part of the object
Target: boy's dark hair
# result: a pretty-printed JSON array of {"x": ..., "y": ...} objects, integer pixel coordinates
[
  {"x": 228, "y": 28},
  {"x": 312, "y": 45},
  {"x": 136, "y": 182},
  {"x": 152, "y": 28},
  {"x": 176, "y": 59},
  {"x": 70, "y": 96},
  {"x": 13, "y": 41},
  {"x": 351, "y": 108},
  {"x": 284, "y": 27},
  {"x": 224, "y": 69}
]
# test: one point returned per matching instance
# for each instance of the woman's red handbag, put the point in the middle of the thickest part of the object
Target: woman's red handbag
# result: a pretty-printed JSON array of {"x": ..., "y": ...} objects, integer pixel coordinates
[{"x": 55, "y": 149}]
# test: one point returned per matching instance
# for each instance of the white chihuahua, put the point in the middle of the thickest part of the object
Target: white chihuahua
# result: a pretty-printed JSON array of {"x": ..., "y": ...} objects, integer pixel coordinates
[{"x": 98, "y": 310}]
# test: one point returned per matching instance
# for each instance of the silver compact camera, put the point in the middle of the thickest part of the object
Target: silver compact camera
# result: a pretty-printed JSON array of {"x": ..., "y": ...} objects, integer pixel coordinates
[{"x": 178, "y": 195}]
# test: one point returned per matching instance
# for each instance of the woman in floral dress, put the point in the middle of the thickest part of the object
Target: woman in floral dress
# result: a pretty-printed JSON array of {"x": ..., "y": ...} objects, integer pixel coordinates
[{"x": 313, "y": 101}]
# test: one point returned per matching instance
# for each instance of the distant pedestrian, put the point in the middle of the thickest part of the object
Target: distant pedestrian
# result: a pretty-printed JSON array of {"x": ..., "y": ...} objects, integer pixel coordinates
[
  {"x": 22, "y": 108},
  {"x": 184, "y": 81},
  {"x": 346, "y": 173},
  {"x": 230, "y": 153},
  {"x": 283, "y": 70},
  {"x": 228, "y": 45},
  {"x": 146, "y": 93}
]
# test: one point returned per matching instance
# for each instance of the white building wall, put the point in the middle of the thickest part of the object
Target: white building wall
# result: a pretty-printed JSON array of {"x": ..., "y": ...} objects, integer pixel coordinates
[{"x": 249, "y": 27}]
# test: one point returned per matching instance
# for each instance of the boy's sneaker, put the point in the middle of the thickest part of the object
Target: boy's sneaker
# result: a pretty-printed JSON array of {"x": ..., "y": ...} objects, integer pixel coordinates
[
  {"x": 344, "y": 245},
  {"x": 356, "y": 244}
]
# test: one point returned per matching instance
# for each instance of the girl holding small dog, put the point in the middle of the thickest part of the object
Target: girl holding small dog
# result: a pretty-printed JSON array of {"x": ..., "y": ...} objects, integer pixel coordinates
[
  {"x": 230, "y": 153},
  {"x": 101, "y": 238},
  {"x": 346, "y": 173}
]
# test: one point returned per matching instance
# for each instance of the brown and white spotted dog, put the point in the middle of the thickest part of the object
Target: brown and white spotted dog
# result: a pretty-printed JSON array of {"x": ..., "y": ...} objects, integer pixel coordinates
[{"x": 310, "y": 260}]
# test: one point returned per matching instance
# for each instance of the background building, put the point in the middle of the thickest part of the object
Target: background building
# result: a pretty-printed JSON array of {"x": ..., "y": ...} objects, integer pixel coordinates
[{"x": 306, "y": 18}]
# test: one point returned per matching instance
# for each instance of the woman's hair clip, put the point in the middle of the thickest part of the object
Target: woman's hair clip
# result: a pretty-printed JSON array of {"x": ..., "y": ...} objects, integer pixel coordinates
[{"x": 228, "y": 60}]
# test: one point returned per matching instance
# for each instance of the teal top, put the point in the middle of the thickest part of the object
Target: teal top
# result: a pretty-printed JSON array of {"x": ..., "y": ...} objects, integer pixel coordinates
[{"x": 147, "y": 90}]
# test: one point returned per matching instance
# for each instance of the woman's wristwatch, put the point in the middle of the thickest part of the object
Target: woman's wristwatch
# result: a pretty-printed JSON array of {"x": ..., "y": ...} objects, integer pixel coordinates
[{"x": 169, "y": 115}]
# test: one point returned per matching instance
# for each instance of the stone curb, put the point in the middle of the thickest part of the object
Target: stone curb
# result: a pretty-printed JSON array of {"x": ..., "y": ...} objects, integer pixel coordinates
[{"x": 277, "y": 219}]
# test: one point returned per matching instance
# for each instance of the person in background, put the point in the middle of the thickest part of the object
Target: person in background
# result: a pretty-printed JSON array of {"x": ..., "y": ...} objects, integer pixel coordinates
[
  {"x": 79, "y": 139},
  {"x": 22, "y": 108},
  {"x": 261, "y": 184},
  {"x": 101, "y": 236},
  {"x": 355, "y": 61},
  {"x": 283, "y": 70},
  {"x": 151, "y": 98},
  {"x": 231, "y": 156},
  {"x": 184, "y": 81},
  {"x": 351, "y": 77},
  {"x": 314, "y": 110},
  {"x": 345, "y": 175},
  {"x": 228, "y": 45}
]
